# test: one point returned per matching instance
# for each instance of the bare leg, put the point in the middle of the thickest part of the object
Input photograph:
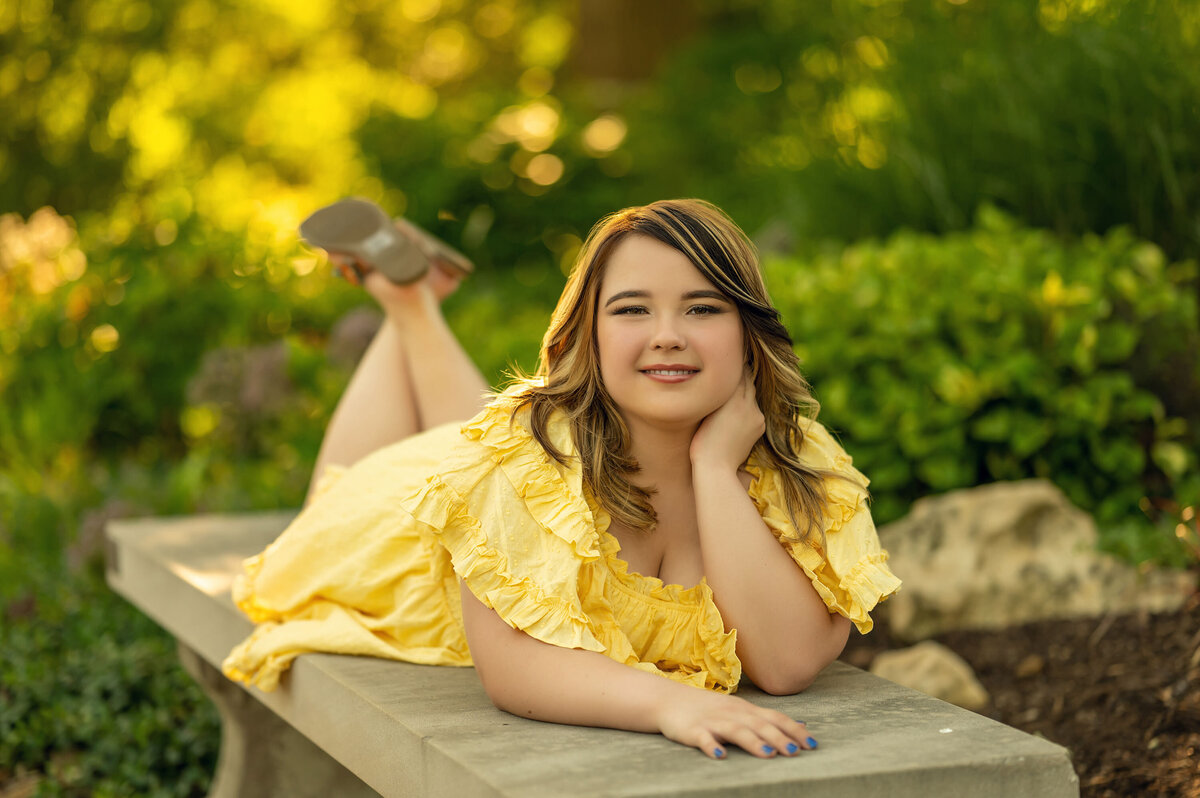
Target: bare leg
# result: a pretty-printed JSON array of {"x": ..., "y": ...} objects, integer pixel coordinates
[
  {"x": 445, "y": 383},
  {"x": 413, "y": 376}
]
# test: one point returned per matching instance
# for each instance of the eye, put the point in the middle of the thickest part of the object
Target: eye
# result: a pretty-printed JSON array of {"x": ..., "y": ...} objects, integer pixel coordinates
[
  {"x": 704, "y": 310},
  {"x": 630, "y": 310}
]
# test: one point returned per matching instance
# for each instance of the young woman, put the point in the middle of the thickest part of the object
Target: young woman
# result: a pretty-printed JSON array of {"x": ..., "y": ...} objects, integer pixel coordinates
[{"x": 656, "y": 502}]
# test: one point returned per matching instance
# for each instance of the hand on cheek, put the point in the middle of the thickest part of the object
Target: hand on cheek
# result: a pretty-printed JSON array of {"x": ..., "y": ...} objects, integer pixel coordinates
[{"x": 726, "y": 436}]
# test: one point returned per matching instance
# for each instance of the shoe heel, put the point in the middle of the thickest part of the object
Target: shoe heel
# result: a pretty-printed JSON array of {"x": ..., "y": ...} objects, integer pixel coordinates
[{"x": 363, "y": 230}]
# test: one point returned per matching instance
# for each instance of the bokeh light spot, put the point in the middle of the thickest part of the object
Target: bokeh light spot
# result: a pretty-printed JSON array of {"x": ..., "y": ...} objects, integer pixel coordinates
[
  {"x": 755, "y": 78},
  {"x": 544, "y": 169},
  {"x": 871, "y": 153},
  {"x": 199, "y": 422},
  {"x": 420, "y": 10},
  {"x": 820, "y": 62},
  {"x": 604, "y": 134},
  {"x": 494, "y": 20},
  {"x": 105, "y": 338},
  {"x": 536, "y": 81},
  {"x": 165, "y": 232},
  {"x": 545, "y": 41},
  {"x": 871, "y": 51}
]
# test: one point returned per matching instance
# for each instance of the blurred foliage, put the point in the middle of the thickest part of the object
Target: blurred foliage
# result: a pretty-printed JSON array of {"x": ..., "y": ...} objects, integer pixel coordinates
[
  {"x": 92, "y": 696},
  {"x": 166, "y": 345},
  {"x": 1001, "y": 353},
  {"x": 853, "y": 117}
]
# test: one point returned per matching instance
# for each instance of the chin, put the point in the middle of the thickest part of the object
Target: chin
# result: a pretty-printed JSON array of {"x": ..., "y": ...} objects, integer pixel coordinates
[{"x": 674, "y": 416}]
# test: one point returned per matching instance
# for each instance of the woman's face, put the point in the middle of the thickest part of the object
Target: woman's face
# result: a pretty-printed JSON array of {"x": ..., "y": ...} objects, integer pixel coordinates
[{"x": 671, "y": 346}]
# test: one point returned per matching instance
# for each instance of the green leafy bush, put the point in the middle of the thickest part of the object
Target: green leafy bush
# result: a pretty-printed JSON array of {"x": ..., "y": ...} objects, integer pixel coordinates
[
  {"x": 1003, "y": 353},
  {"x": 92, "y": 698}
]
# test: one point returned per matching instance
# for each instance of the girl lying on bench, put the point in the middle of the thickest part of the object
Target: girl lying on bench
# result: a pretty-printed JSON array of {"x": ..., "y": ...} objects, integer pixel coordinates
[{"x": 656, "y": 501}]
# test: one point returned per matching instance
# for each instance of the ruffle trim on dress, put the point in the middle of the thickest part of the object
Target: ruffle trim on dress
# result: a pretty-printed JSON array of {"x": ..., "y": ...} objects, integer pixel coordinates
[
  {"x": 262, "y": 672},
  {"x": 243, "y": 593},
  {"x": 536, "y": 478},
  {"x": 863, "y": 584},
  {"x": 522, "y": 603},
  {"x": 707, "y": 639},
  {"x": 542, "y": 484}
]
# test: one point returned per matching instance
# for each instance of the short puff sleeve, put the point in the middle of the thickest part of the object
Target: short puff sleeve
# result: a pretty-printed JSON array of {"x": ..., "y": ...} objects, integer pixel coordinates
[
  {"x": 517, "y": 531},
  {"x": 845, "y": 561}
]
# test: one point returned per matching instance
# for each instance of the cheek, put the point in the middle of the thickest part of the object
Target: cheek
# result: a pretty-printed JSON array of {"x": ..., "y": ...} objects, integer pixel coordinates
[
  {"x": 612, "y": 346},
  {"x": 729, "y": 344},
  {"x": 730, "y": 350}
]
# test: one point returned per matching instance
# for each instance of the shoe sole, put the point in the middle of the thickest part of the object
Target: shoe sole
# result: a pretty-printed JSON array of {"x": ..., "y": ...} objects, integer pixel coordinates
[{"x": 361, "y": 229}]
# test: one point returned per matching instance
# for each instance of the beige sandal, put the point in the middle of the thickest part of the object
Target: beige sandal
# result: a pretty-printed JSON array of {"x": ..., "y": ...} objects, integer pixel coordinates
[{"x": 399, "y": 250}]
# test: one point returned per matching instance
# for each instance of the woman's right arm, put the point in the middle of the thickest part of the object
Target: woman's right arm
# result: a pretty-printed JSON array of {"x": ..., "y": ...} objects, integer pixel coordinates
[{"x": 527, "y": 677}]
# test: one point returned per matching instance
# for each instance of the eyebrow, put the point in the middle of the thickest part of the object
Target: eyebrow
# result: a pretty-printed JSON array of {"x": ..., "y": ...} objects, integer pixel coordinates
[{"x": 701, "y": 294}]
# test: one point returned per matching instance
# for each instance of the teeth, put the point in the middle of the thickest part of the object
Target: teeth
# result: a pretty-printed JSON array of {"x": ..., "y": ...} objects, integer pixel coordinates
[{"x": 669, "y": 372}]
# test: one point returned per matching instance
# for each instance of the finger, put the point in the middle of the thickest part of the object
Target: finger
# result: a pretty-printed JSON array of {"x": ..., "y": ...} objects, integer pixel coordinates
[
  {"x": 798, "y": 731},
  {"x": 785, "y": 735},
  {"x": 709, "y": 746},
  {"x": 782, "y": 742},
  {"x": 794, "y": 730},
  {"x": 751, "y": 742}
]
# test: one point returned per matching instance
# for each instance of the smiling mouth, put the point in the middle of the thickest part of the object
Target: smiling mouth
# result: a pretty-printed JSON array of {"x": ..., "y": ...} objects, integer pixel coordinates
[{"x": 670, "y": 372}]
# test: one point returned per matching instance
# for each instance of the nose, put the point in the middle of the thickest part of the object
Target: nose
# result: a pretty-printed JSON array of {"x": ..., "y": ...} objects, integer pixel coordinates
[{"x": 667, "y": 336}]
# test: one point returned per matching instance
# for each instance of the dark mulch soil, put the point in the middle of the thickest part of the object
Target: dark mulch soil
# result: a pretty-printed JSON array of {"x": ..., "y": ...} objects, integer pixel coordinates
[{"x": 1122, "y": 693}]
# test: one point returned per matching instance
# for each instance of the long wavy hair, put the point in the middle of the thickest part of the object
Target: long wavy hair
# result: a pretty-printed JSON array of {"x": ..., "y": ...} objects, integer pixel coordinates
[{"x": 568, "y": 375}]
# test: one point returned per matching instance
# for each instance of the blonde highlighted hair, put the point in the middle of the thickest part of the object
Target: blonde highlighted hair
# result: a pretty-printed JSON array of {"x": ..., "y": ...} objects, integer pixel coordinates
[{"x": 568, "y": 375}]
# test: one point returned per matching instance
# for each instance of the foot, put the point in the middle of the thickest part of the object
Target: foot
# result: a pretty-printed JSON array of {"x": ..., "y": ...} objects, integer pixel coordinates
[{"x": 397, "y": 301}]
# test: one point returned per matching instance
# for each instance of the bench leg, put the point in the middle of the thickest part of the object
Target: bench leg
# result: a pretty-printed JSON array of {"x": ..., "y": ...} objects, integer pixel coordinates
[{"x": 262, "y": 756}]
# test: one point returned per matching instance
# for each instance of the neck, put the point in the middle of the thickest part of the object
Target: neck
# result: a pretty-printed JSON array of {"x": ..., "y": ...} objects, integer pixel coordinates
[{"x": 663, "y": 454}]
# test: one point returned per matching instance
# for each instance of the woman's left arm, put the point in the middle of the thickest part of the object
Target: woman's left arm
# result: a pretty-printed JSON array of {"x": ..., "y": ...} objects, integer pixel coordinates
[{"x": 785, "y": 633}]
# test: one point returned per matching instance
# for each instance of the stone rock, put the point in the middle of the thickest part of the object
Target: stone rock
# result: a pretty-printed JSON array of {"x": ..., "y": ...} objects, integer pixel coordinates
[
  {"x": 934, "y": 670},
  {"x": 1006, "y": 554}
]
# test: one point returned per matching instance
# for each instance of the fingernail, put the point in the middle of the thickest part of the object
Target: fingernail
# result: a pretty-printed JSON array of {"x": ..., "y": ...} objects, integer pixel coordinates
[
  {"x": 792, "y": 748},
  {"x": 718, "y": 753},
  {"x": 811, "y": 742},
  {"x": 768, "y": 749}
]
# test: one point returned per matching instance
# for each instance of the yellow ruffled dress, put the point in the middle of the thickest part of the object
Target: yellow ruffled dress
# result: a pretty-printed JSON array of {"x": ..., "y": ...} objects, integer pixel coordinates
[{"x": 371, "y": 566}]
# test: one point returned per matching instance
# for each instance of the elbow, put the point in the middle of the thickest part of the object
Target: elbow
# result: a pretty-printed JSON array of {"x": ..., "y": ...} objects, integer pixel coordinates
[
  {"x": 788, "y": 676},
  {"x": 500, "y": 693},
  {"x": 788, "y": 681}
]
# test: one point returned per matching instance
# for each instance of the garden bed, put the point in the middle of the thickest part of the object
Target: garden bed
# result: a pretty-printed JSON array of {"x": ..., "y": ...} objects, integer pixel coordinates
[{"x": 1121, "y": 692}]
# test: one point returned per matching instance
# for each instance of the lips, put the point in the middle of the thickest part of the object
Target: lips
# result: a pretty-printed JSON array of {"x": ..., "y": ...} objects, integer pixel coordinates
[{"x": 669, "y": 370}]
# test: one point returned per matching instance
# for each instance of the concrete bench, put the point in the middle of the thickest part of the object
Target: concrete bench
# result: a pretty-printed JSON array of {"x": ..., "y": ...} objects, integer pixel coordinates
[{"x": 348, "y": 726}]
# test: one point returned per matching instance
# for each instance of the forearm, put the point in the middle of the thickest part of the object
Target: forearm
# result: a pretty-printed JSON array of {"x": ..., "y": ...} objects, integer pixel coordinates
[
  {"x": 536, "y": 680},
  {"x": 577, "y": 687},
  {"x": 561, "y": 685},
  {"x": 786, "y": 635}
]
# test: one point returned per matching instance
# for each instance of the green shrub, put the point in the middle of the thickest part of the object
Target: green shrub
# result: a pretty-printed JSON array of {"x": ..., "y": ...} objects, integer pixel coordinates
[
  {"x": 1004, "y": 353},
  {"x": 93, "y": 698}
]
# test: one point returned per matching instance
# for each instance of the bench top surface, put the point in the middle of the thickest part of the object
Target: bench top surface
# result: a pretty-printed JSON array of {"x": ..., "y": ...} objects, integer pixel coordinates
[{"x": 413, "y": 730}]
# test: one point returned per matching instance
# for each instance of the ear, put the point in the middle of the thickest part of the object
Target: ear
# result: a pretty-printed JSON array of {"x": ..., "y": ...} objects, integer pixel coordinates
[{"x": 752, "y": 360}]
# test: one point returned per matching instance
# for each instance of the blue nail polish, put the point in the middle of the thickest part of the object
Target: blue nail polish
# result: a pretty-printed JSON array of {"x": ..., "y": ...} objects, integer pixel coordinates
[
  {"x": 768, "y": 749},
  {"x": 811, "y": 742},
  {"x": 718, "y": 753},
  {"x": 792, "y": 748}
]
